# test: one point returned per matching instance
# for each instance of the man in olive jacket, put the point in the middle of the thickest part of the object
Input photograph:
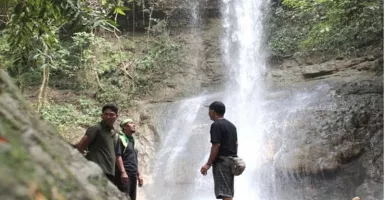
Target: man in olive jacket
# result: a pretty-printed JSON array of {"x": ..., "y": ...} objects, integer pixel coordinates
[{"x": 100, "y": 141}]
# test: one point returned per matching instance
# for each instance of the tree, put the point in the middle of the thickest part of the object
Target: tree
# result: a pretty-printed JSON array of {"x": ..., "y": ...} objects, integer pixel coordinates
[{"x": 34, "y": 32}]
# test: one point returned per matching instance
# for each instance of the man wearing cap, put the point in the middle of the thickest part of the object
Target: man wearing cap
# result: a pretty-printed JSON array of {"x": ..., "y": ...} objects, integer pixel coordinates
[
  {"x": 127, "y": 160},
  {"x": 224, "y": 142}
]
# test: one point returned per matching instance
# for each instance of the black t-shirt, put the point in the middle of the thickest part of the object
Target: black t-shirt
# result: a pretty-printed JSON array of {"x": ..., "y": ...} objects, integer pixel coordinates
[
  {"x": 224, "y": 132},
  {"x": 129, "y": 156}
]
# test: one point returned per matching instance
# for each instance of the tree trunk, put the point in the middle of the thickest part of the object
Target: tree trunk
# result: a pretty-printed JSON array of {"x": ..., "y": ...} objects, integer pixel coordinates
[
  {"x": 45, "y": 92},
  {"x": 98, "y": 80},
  {"x": 40, "y": 99}
]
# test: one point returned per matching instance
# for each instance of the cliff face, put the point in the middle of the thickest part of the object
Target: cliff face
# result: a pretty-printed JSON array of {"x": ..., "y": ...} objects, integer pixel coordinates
[{"x": 333, "y": 148}]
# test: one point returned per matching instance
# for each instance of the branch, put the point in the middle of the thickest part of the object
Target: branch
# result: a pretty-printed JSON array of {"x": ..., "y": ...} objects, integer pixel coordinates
[{"x": 124, "y": 69}]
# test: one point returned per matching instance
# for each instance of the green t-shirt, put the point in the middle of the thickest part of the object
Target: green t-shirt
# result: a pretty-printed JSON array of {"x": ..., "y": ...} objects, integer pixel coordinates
[{"x": 101, "y": 149}]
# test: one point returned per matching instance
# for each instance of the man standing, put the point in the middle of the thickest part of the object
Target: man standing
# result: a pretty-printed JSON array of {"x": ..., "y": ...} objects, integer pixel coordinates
[
  {"x": 224, "y": 142},
  {"x": 99, "y": 140},
  {"x": 127, "y": 160}
]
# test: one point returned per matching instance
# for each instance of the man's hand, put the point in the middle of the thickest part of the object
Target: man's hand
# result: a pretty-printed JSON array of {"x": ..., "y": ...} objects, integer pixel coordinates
[
  {"x": 204, "y": 169},
  {"x": 124, "y": 177},
  {"x": 140, "y": 181}
]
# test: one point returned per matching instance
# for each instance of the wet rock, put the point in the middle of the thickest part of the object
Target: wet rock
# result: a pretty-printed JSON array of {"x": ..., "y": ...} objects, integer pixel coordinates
[
  {"x": 317, "y": 70},
  {"x": 370, "y": 190},
  {"x": 341, "y": 134}
]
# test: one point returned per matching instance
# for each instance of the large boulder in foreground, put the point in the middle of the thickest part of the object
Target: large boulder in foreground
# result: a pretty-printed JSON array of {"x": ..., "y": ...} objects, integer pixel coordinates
[{"x": 36, "y": 163}]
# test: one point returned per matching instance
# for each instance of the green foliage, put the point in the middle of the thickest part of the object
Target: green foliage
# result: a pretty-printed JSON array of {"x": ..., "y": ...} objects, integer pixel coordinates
[
  {"x": 4, "y": 47},
  {"x": 62, "y": 36},
  {"x": 34, "y": 31},
  {"x": 152, "y": 67},
  {"x": 119, "y": 94},
  {"x": 89, "y": 107},
  {"x": 67, "y": 115},
  {"x": 147, "y": 70},
  {"x": 341, "y": 26},
  {"x": 115, "y": 6},
  {"x": 287, "y": 32},
  {"x": 84, "y": 58}
]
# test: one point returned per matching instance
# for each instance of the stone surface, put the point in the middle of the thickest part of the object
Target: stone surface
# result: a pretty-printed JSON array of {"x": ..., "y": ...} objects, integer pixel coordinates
[
  {"x": 370, "y": 190},
  {"x": 294, "y": 70},
  {"x": 36, "y": 163},
  {"x": 330, "y": 142}
]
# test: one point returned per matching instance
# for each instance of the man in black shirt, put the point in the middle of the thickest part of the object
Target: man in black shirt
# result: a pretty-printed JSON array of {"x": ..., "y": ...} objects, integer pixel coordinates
[
  {"x": 127, "y": 160},
  {"x": 224, "y": 142}
]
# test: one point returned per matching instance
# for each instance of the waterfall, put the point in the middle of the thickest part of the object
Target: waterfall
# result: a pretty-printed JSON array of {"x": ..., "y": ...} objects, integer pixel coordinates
[
  {"x": 284, "y": 134},
  {"x": 185, "y": 145},
  {"x": 244, "y": 57}
]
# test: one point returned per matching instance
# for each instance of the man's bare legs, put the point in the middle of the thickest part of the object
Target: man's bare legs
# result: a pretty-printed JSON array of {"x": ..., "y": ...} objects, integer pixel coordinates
[{"x": 227, "y": 198}]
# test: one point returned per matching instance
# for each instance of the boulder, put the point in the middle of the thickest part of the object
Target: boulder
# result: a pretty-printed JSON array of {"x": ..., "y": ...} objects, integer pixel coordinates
[{"x": 36, "y": 163}]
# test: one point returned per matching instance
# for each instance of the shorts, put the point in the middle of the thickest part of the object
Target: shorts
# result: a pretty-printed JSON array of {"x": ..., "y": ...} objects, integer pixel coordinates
[{"x": 223, "y": 179}]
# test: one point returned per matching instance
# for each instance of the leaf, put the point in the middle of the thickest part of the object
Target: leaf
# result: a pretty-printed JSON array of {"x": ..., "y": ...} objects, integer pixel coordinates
[
  {"x": 119, "y": 11},
  {"x": 124, "y": 8},
  {"x": 35, "y": 57},
  {"x": 112, "y": 22}
]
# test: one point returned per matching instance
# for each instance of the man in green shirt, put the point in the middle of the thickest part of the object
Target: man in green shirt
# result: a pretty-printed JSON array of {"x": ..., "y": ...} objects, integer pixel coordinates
[{"x": 100, "y": 141}]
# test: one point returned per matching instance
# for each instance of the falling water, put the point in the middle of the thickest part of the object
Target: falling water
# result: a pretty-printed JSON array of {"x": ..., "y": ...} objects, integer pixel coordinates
[
  {"x": 243, "y": 53},
  {"x": 259, "y": 115}
]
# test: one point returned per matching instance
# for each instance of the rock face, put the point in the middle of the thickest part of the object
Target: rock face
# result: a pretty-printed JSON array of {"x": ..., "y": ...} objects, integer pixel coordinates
[
  {"x": 36, "y": 163},
  {"x": 298, "y": 69},
  {"x": 330, "y": 145},
  {"x": 334, "y": 145}
]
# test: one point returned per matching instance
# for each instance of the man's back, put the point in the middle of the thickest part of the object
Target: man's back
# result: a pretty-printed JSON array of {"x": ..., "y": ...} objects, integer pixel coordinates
[{"x": 223, "y": 132}]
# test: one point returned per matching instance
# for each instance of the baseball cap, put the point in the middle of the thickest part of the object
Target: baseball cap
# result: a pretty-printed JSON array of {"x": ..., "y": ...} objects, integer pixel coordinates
[
  {"x": 124, "y": 122},
  {"x": 218, "y": 107}
]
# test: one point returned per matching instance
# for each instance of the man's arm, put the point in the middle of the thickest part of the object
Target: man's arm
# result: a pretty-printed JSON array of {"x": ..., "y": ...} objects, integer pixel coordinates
[
  {"x": 140, "y": 179},
  {"x": 83, "y": 144},
  {"x": 213, "y": 154},
  {"x": 119, "y": 161},
  {"x": 87, "y": 139},
  {"x": 215, "y": 139}
]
